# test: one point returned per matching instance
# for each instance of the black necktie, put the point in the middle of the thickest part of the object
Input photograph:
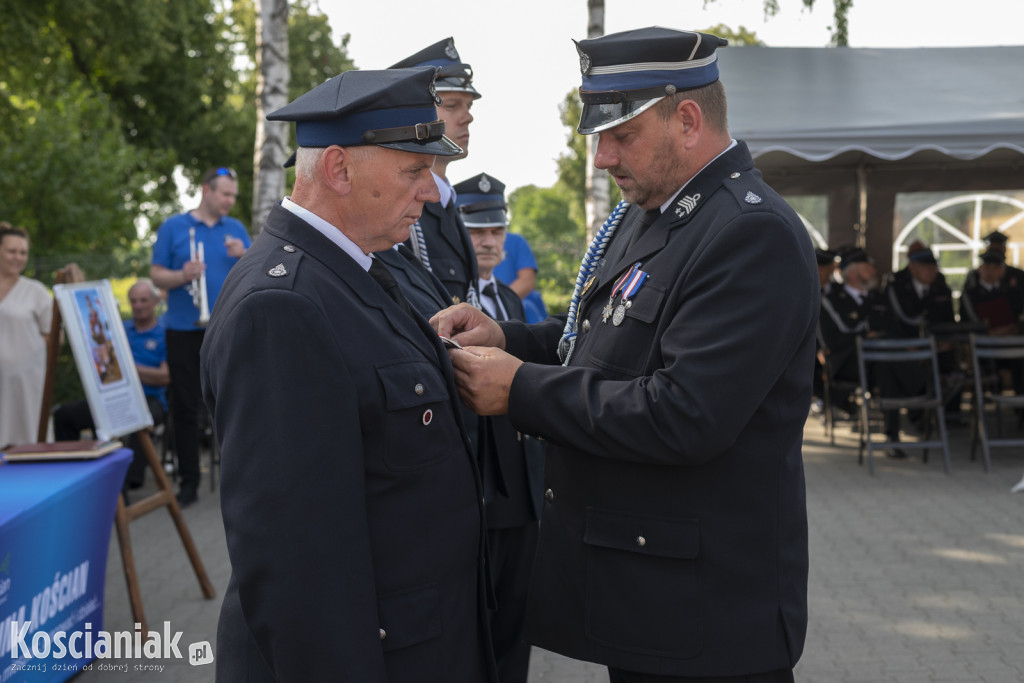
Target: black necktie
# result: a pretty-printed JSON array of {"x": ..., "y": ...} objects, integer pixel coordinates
[
  {"x": 646, "y": 218},
  {"x": 492, "y": 294},
  {"x": 379, "y": 272}
]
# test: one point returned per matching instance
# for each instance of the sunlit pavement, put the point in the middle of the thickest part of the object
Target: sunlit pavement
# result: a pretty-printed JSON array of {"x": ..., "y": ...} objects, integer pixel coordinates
[{"x": 915, "y": 575}]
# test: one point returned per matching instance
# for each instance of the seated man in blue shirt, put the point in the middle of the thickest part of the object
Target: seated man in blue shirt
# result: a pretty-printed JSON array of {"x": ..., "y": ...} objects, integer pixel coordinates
[{"x": 145, "y": 335}]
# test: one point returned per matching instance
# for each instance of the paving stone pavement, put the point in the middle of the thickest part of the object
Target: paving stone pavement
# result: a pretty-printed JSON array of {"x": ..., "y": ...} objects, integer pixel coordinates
[{"x": 915, "y": 575}]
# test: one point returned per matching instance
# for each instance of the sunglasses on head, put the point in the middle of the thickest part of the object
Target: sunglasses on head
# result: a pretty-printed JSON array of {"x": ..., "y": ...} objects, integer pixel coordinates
[{"x": 229, "y": 172}]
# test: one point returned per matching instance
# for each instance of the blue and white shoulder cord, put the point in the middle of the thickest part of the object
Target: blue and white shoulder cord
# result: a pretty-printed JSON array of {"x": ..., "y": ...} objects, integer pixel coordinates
[
  {"x": 419, "y": 245},
  {"x": 419, "y": 249},
  {"x": 595, "y": 252}
]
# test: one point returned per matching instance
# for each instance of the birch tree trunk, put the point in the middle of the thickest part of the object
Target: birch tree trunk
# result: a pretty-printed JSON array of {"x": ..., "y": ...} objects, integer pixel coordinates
[
  {"x": 271, "y": 149},
  {"x": 597, "y": 202}
]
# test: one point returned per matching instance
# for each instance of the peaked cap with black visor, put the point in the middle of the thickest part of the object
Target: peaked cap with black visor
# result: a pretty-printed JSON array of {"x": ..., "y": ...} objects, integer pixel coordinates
[
  {"x": 481, "y": 202},
  {"x": 453, "y": 75},
  {"x": 625, "y": 74},
  {"x": 395, "y": 108}
]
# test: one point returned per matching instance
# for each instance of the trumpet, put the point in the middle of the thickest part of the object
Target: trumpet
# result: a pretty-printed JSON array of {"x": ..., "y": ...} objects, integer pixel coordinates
[{"x": 197, "y": 288}]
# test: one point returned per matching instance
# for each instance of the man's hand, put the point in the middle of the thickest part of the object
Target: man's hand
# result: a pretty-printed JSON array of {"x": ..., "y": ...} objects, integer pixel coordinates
[
  {"x": 235, "y": 247},
  {"x": 191, "y": 270},
  {"x": 484, "y": 377},
  {"x": 468, "y": 326}
]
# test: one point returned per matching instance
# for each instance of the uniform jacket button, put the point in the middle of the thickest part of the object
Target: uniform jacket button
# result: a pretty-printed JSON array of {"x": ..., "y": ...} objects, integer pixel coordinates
[
  {"x": 641, "y": 541},
  {"x": 549, "y": 495},
  {"x": 383, "y": 634},
  {"x": 586, "y": 326},
  {"x": 418, "y": 389}
]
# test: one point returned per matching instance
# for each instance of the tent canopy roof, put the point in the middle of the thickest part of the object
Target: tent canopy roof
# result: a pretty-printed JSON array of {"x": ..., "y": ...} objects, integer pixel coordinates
[{"x": 839, "y": 104}]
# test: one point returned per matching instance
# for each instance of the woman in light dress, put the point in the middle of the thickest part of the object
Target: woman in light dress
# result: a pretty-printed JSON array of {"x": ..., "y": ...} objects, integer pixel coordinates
[{"x": 26, "y": 311}]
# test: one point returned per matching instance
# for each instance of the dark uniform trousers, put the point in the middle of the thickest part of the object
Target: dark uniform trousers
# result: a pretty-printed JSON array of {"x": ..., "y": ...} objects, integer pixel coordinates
[
  {"x": 673, "y": 538},
  {"x": 183, "y": 348},
  {"x": 511, "y": 467}
]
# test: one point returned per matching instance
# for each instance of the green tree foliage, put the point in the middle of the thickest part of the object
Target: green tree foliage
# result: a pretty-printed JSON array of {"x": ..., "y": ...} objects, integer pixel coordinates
[{"x": 100, "y": 100}]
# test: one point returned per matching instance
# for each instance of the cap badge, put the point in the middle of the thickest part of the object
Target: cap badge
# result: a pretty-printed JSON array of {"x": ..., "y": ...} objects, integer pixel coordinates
[
  {"x": 752, "y": 198},
  {"x": 484, "y": 184},
  {"x": 584, "y": 61},
  {"x": 277, "y": 271},
  {"x": 687, "y": 204},
  {"x": 449, "y": 51}
]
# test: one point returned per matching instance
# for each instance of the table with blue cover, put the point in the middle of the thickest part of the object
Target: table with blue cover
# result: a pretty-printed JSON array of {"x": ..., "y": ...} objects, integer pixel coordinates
[{"x": 55, "y": 522}]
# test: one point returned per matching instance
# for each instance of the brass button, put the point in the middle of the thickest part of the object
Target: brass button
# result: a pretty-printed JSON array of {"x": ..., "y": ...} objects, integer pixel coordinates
[
  {"x": 383, "y": 634},
  {"x": 418, "y": 389},
  {"x": 641, "y": 541},
  {"x": 586, "y": 326},
  {"x": 549, "y": 495}
]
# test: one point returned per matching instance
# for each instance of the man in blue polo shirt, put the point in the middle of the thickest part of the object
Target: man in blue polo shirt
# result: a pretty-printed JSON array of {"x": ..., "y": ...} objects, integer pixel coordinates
[
  {"x": 145, "y": 335},
  {"x": 203, "y": 241}
]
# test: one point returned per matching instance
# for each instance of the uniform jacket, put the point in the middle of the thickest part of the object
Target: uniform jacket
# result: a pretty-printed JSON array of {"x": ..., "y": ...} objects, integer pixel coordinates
[
  {"x": 424, "y": 291},
  {"x": 979, "y": 304},
  {"x": 910, "y": 313},
  {"x": 843, "y": 320},
  {"x": 350, "y": 499},
  {"x": 674, "y": 530},
  {"x": 452, "y": 257}
]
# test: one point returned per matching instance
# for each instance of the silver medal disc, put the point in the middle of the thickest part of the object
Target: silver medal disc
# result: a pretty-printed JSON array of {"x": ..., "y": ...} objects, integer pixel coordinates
[{"x": 620, "y": 315}]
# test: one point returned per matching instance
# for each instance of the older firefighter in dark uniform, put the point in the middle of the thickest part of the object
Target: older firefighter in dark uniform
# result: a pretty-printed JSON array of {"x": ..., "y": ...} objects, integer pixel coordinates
[
  {"x": 351, "y": 502},
  {"x": 673, "y": 396},
  {"x": 512, "y": 463},
  {"x": 439, "y": 239},
  {"x": 859, "y": 309}
]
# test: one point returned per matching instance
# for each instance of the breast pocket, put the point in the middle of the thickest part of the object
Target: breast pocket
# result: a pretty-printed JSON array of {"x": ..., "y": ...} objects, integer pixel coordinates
[
  {"x": 621, "y": 350},
  {"x": 420, "y": 427},
  {"x": 642, "y": 583}
]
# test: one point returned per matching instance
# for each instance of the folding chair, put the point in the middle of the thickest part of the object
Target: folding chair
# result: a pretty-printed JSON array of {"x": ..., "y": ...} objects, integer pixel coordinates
[
  {"x": 873, "y": 352},
  {"x": 987, "y": 390},
  {"x": 831, "y": 387}
]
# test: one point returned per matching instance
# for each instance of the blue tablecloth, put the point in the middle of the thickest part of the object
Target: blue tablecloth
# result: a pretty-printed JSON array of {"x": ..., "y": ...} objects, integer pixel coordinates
[{"x": 55, "y": 522}]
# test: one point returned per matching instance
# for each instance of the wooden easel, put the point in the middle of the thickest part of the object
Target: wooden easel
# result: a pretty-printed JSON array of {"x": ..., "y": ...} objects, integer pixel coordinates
[{"x": 164, "y": 497}]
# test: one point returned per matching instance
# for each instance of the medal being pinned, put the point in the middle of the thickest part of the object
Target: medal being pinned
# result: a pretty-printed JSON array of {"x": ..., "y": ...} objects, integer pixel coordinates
[{"x": 629, "y": 284}]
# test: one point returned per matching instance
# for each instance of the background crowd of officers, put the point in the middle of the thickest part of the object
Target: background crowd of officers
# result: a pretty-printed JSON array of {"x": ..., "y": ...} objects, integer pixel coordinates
[{"x": 912, "y": 302}]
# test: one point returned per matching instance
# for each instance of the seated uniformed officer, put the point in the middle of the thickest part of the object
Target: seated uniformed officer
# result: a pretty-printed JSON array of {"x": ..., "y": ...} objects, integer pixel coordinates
[
  {"x": 859, "y": 309},
  {"x": 439, "y": 238},
  {"x": 351, "y": 503},
  {"x": 1012, "y": 278},
  {"x": 512, "y": 463}
]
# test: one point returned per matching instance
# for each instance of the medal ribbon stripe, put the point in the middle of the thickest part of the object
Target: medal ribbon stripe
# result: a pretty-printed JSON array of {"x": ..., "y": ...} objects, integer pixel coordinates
[{"x": 637, "y": 281}]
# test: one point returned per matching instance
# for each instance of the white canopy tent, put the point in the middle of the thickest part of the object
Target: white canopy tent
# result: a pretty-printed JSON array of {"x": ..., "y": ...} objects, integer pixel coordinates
[{"x": 860, "y": 125}]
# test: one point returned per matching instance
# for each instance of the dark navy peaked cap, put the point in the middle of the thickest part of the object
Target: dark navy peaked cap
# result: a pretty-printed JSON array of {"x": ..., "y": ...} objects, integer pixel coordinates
[
  {"x": 625, "y": 73},
  {"x": 453, "y": 74},
  {"x": 481, "y": 202},
  {"x": 395, "y": 108}
]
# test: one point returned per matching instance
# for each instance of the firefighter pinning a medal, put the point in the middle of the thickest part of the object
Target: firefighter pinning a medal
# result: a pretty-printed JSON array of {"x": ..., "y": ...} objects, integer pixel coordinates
[{"x": 672, "y": 396}]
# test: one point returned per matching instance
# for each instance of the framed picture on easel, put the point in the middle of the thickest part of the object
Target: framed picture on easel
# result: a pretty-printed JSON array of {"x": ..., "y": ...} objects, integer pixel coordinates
[{"x": 103, "y": 357}]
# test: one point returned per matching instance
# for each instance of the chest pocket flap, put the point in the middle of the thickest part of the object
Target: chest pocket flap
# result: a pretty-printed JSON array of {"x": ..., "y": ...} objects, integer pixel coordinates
[
  {"x": 411, "y": 383},
  {"x": 675, "y": 538}
]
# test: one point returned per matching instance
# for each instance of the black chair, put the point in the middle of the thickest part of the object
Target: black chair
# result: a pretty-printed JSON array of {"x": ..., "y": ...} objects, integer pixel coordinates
[
  {"x": 832, "y": 387},
  {"x": 873, "y": 352},
  {"x": 988, "y": 390}
]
